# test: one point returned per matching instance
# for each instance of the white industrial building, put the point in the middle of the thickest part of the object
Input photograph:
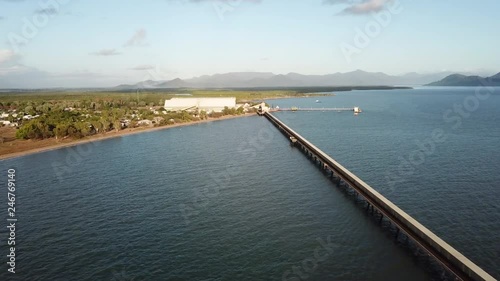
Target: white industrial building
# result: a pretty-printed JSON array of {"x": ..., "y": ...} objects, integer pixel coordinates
[{"x": 206, "y": 104}]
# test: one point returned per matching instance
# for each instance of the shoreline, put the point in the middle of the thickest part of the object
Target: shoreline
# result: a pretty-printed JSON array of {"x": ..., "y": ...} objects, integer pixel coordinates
[
  {"x": 112, "y": 134},
  {"x": 53, "y": 144}
]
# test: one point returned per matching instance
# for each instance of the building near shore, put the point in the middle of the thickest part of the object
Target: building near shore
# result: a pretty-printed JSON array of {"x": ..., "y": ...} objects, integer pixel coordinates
[
  {"x": 206, "y": 104},
  {"x": 262, "y": 107}
]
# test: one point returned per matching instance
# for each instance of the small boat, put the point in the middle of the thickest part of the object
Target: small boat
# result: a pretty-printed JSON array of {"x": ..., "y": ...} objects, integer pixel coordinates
[{"x": 318, "y": 101}]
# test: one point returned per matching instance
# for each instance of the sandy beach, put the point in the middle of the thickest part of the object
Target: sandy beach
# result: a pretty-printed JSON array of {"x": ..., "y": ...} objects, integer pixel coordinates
[{"x": 20, "y": 148}]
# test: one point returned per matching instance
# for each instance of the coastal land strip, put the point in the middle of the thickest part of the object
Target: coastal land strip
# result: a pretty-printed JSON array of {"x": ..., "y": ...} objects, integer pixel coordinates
[{"x": 11, "y": 147}]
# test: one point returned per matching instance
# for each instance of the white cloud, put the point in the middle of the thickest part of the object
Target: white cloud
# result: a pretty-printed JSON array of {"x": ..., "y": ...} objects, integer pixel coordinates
[
  {"x": 47, "y": 11},
  {"x": 106, "y": 52},
  {"x": 7, "y": 56},
  {"x": 143, "y": 67},
  {"x": 359, "y": 7},
  {"x": 137, "y": 39}
]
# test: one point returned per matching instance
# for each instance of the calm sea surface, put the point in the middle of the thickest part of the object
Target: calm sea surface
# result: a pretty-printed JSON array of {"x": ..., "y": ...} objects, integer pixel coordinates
[{"x": 232, "y": 200}]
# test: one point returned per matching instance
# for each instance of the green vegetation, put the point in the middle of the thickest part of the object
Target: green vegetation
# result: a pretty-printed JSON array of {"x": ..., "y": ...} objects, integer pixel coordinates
[{"x": 42, "y": 115}]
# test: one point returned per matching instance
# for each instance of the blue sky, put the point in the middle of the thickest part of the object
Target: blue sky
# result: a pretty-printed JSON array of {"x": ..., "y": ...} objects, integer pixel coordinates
[{"x": 77, "y": 43}]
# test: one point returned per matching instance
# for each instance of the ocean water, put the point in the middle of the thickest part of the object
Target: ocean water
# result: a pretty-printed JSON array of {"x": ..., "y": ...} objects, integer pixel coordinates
[{"x": 232, "y": 200}]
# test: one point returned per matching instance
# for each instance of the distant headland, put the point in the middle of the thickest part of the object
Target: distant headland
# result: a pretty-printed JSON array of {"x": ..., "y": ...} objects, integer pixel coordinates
[{"x": 464, "y": 80}]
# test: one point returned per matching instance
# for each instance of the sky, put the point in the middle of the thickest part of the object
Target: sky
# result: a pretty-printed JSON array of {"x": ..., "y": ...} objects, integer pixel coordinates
[{"x": 91, "y": 43}]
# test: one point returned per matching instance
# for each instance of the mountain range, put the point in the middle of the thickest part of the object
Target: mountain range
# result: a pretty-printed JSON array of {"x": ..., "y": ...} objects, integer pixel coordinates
[
  {"x": 268, "y": 79},
  {"x": 464, "y": 80}
]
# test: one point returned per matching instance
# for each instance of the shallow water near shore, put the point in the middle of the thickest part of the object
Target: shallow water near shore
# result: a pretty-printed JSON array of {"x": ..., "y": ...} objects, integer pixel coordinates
[{"x": 232, "y": 200}]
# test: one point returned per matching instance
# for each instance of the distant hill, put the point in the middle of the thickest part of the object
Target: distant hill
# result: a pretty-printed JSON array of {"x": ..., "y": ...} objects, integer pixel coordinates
[
  {"x": 270, "y": 80},
  {"x": 464, "y": 80}
]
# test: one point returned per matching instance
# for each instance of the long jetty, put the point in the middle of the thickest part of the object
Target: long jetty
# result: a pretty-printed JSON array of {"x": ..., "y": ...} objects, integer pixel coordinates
[
  {"x": 446, "y": 255},
  {"x": 355, "y": 109}
]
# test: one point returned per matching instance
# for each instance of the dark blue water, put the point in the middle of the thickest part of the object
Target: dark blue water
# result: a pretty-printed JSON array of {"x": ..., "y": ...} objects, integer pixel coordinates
[{"x": 232, "y": 200}]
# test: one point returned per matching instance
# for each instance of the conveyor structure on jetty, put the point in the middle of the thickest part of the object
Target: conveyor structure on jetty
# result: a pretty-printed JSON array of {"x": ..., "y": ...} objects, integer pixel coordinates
[{"x": 338, "y": 109}]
